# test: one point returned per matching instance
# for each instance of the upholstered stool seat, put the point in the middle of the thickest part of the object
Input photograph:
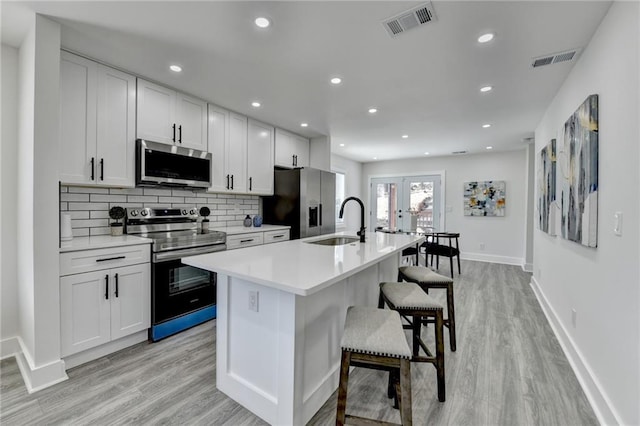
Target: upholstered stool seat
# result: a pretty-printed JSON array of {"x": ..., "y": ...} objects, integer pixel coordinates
[
  {"x": 428, "y": 279},
  {"x": 409, "y": 300},
  {"x": 374, "y": 338}
]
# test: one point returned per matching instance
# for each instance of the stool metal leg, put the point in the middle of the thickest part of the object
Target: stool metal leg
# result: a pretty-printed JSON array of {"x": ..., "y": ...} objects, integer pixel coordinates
[{"x": 342, "y": 388}]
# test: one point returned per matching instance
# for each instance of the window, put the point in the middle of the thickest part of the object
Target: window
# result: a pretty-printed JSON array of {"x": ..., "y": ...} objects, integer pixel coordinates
[{"x": 339, "y": 196}]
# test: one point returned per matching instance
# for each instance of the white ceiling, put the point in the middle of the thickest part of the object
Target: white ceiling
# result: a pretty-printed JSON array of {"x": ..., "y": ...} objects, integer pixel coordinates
[{"x": 425, "y": 82}]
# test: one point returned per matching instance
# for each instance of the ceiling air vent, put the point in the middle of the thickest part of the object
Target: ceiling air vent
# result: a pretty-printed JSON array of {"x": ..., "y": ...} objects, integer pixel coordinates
[
  {"x": 459, "y": 152},
  {"x": 417, "y": 16},
  {"x": 554, "y": 58}
]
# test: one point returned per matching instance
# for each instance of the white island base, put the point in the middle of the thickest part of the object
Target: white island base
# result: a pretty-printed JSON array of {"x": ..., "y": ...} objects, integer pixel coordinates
[{"x": 278, "y": 344}]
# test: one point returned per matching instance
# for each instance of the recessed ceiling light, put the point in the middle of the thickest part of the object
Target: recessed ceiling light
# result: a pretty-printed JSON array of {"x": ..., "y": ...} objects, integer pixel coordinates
[
  {"x": 255, "y": 104},
  {"x": 336, "y": 80},
  {"x": 484, "y": 38},
  {"x": 372, "y": 110},
  {"x": 262, "y": 22},
  {"x": 175, "y": 68},
  {"x": 304, "y": 124},
  {"x": 486, "y": 126},
  {"x": 489, "y": 147},
  {"x": 375, "y": 158},
  {"x": 405, "y": 136},
  {"x": 341, "y": 144},
  {"x": 486, "y": 89},
  {"x": 426, "y": 153}
]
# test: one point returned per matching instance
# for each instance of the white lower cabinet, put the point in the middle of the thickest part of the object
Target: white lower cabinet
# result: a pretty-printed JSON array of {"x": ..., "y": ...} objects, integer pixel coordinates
[{"x": 101, "y": 306}]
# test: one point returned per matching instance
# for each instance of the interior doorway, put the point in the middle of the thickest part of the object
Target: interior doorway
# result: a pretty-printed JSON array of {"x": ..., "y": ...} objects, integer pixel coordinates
[{"x": 406, "y": 203}]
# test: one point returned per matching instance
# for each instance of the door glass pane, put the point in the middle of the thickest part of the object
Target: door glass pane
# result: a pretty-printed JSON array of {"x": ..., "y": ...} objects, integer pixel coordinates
[
  {"x": 421, "y": 198},
  {"x": 386, "y": 205},
  {"x": 184, "y": 277}
]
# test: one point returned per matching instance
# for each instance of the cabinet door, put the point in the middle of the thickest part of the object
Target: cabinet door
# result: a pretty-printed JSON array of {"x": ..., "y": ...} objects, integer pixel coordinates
[
  {"x": 284, "y": 149},
  {"x": 301, "y": 150},
  {"x": 156, "y": 113},
  {"x": 84, "y": 311},
  {"x": 259, "y": 158},
  {"x": 78, "y": 77},
  {"x": 237, "y": 152},
  {"x": 191, "y": 118},
  {"x": 116, "y": 128},
  {"x": 130, "y": 300},
  {"x": 217, "y": 146}
]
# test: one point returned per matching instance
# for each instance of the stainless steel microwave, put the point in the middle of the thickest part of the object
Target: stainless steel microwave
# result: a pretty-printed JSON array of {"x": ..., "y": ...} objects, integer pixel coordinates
[{"x": 159, "y": 164}]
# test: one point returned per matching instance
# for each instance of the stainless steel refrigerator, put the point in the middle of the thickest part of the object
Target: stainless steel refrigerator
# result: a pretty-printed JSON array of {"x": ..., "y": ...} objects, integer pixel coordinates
[{"x": 304, "y": 199}]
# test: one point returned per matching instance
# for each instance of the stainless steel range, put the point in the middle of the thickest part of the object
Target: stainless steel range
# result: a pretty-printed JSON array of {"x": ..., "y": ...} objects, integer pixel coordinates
[{"x": 181, "y": 296}]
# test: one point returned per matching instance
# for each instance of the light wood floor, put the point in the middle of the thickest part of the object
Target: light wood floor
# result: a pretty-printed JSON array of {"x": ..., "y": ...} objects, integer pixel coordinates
[{"x": 508, "y": 370}]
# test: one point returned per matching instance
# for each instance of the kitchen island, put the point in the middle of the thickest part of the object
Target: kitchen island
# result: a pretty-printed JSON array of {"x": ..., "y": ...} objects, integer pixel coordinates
[{"x": 281, "y": 310}]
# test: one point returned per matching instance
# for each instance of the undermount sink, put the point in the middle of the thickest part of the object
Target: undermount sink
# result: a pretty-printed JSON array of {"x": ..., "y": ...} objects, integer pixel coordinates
[{"x": 335, "y": 241}]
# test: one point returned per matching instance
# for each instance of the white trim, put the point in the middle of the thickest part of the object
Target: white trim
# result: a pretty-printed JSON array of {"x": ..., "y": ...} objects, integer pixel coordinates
[
  {"x": 492, "y": 258},
  {"x": 527, "y": 267},
  {"x": 600, "y": 402},
  {"x": 40, "y": 377},
  {"x": 106, "y": 349},
  {"x": 9, "y": 347}
]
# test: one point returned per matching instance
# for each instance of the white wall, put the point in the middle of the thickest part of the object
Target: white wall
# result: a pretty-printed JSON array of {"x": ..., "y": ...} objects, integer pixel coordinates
[
  {"x": 602, "y": 284},
  {"x": 353, "y": 188},
  {"x": 8, "y": 234},
  {"x": 503, "y": 237}
]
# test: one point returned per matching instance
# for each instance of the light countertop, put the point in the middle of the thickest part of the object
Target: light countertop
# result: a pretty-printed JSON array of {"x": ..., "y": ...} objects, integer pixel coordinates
[
  {"x": 302, "y": 268},
  {"x": 235, "y": 230},
  {"x": 101, "y": 241}
]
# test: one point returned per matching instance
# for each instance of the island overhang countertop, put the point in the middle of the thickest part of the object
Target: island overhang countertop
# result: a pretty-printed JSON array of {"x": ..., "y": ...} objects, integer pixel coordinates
[{"x": 302, "y": 268}]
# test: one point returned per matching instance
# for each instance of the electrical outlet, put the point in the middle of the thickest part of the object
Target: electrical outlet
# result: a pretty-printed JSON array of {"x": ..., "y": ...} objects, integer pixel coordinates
[
  {"x": 574, "y": 318},
  {"x": 253, "y": 300},
  {"x": 481, "y": 246}
]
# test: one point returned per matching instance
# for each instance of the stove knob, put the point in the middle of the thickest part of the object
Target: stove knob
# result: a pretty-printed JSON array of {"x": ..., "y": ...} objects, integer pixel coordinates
[
  {"x": 144, "y": 212},
  {"x": 193, "y": 211},
  {"x": 184, "y": 212},
  {"x": 134, "y": 213}
]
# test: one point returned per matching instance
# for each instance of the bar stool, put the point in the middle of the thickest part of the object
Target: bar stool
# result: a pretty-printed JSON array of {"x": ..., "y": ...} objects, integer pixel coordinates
[
  {"x": 427, "y": 279},
  {"x": 410, "y": 301},
  {"x": 374, "y": 338}
]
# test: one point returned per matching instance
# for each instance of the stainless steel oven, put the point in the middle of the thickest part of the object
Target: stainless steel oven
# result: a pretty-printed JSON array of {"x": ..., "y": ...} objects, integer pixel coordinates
[{"x": 181, "y": 295}]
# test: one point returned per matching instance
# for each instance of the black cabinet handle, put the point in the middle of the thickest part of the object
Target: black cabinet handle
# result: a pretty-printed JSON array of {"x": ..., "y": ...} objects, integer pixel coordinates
[
  {"x": 296, "y": 161},
  {"x": 116, "y": 277},
  {"x": 180, "y": 133},
  {"x": 293, "y": 160},
  {"x": 228, "y": 181},
  {"x": 93, "y": 168},
  {"x": 250, "y": 183},
  {"x": 277, "y": 236},
  {"x": 106, "y": 293},
  {"x": 102, "y": 169},
  {"x": 231, "y": 181},
  {"x": 111, "y": 258},
  {"x": 174, "y": 132},
  {"x": 246, "y": 241},
  {"x": 320, "y": 214}
]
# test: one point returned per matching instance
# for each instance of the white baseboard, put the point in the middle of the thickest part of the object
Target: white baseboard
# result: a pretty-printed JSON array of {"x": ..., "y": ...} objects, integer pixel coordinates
[
  {"x": 598, "y": 399},
  {"x": 106, "y": 349},
  {"x": 38, "y": 377},
  {"x": 491, "y": 258},
  {"x": 9, "y": 347},
  {"x": 527, "y": 267}
]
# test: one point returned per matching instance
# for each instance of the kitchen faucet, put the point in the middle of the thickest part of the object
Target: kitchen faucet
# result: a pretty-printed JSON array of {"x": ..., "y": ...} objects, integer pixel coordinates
[{"x": 362, "y": 228}]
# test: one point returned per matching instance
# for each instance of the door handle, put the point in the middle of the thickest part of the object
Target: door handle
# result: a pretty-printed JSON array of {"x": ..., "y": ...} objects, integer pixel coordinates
[
  {"x": 102, "y": 169},
  {"x": 227, "y": 181},
  {"x": 250, "y": 183},
  {"x": 116, "y": 277},
  {"x": 174, "y": 132},
  {"x": 180, "y": 133},
  {"x": 293, "y": 160},
  {"x": 106, "y": 292},
  {"x": 231, "y": 181},
  {"x": 93, "y": 168}
]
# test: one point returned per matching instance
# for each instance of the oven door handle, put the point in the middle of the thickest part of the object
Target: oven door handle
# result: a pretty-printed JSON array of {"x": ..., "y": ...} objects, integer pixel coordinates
[{"x": 179, "y": 254}]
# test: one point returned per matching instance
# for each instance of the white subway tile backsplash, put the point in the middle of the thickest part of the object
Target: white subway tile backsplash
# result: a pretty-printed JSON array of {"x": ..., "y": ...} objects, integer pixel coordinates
[
  {"x": 98, "y": 214},
  {"x": 74, "y": 197},
  {"x": 142, "y": 199},
  {"x": 193, "y": 200},
  {"x": 100, "y": 231},
  {"x": 89, "y": 223},
  {"x": 80, "y": 214},
  {"x": 80, "y": 232},
  {"x": 157, "y": 191},
  {"x": 64, "y": 207},
  {"x": 108, "y": 198},
  {"x": 126, "y": 191},
  {"x": 206, "y": 195},
  {"x": 182, "y": 193},
  {"x": 171, "y": 200},
  {"x": 88, "y": 206},
  {"x": 64, "y": 189},
  {"x": 83, "y": 190}
]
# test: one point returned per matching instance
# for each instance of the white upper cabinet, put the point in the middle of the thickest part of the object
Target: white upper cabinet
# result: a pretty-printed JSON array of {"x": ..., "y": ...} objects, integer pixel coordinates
[
  {"x": 228, "y": 145},
  {"x": 171, "y": 117},
  {"x": 291, "y": 150},
  {"x": 97, "y": 124},
  {"x": 260, "y": 158}
]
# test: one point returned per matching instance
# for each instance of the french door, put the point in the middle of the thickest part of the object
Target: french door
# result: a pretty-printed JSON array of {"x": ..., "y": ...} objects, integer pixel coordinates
[{"x": 406, "y": 203}]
